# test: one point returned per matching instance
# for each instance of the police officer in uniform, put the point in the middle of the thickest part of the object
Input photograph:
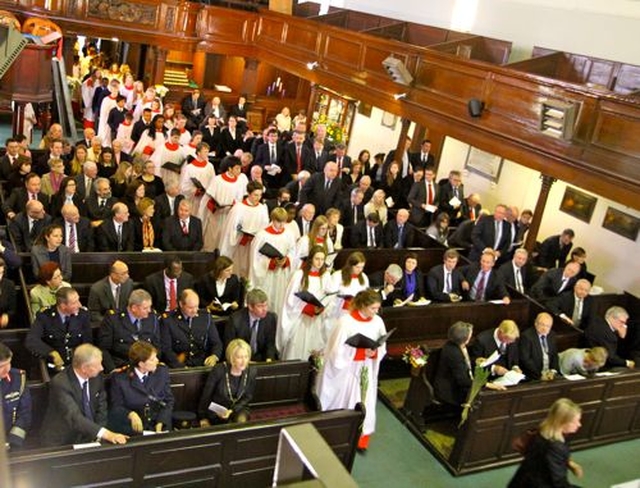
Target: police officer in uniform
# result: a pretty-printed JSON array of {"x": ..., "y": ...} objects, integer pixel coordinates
[
  {"x": 119, "y": 330},
  {"x": 16, "y": 400},
  {"x": 189, "y": 336},
  {"x": 140, "y": 393},
  {"x": 58, "y": 330}
]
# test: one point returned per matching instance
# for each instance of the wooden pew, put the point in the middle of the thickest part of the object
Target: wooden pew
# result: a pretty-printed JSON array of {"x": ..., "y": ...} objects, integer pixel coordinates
[
  {"x": 611, "y": 409},
  {"x": 282, "y": 388},
  {"x": 220, "y": 456}
]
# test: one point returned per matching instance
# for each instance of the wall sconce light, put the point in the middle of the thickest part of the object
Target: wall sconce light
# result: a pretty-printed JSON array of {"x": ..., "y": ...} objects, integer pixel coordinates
[
  {"x": 312, "y": 65},
  {"x": 475, "y": 107},
  {"x": 397, "y": 70},
  {"x": 400, "y": 96}
]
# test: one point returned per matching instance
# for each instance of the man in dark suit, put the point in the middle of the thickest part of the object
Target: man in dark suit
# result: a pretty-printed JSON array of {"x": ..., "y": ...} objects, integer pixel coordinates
[
  {"x": 111, "y": 292},
  {"x": 118, "y": 154},
  {"x": 399, "y": 233},
  {"x": 239, "y": 111},
  {"x": 471, "y": 207},
  {"x": 490, "y": 232},
  {"x": 385, "y": 282},
  {"x": 555, "y": 281},
  {"x": 341, "y": 159},
  {"x": 352, "y": 211},
  {"x": 305, "y": 217},
  {"x": 538, "y": 350},
  {"x": 282, "y": 198},
  {"x": 482, "y": 283},
  {"x": 270, "y": 156},
  {"x": 423, "y": 199},
  {"x": 9, "y": 158},
  {"x": 20, "y": 196},
  {"x": 514, "y": 273},
  {"x": 444, "y": 281},
  {"x": 77, "y": 233},
  {"x": 574, "y": 307},
  {"x": 193, "y": 108},
  {"x": 77, "y": 406},
  {"x": 167, "y": 203},
  {"x": 58, "y": 330},
  {"x": 320, "y": 155},
  {"x": 368, "y": 233},
  {"x": 165, "y": 286},
  {"x": 85, "y": 180},
  {"x": 297, "y": 156},
  {"x": 423, "y": 158},
  {"x": 88, "y": 134},
  {"x": 189, "y": 335},
  {"x": 115, "y": 234},
  {"x": 119, "y": 330},
  {"x": 554, "y": 250},
  {"x": 182, "y": 232},
  {"x": 141, "y": 125},
  {"x": 255, "y": 325},
  {"x": 295, "y": 187},
  {"x": 452, "y": 196},
  {"x": 606, "y": 332},
  {"x": 502, "y": 339},
  {"x": 27, "y": 225},
  {"x": 100, "y": 202},
  {"x": 323, "y": 189}
]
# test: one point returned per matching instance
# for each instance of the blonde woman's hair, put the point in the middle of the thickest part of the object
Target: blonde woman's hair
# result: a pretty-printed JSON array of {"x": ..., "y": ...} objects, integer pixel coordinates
[
  {"x": 233, "y": 346},
  {"x": 560, "y": 414},
  {"x": 509, "y": 329}
]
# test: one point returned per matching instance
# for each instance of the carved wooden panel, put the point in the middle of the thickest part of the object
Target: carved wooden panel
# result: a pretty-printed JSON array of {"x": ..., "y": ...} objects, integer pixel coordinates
[
  {"x": 272, "y": 28},
  {"x": 76, "y": 473},
  {"x": 305, "y": 38},
  {"x": 450, "y": 83},
  {"x": 341, "y": 50},
  {"x": 618, "y": 130},
  {"x": 122, "y": 11}
]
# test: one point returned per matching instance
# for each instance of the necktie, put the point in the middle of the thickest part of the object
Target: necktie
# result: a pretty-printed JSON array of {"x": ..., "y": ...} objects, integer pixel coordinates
[
  {"x": 372, "y": 239},
  {"x": 480, "y": 288},
  {"x": 455, "y": 192},
  {"x": 498, "y": 230},
  {"x": 519, "y": 286},
  {"x": 32, "y": 224},
  {"x": 185, "y": 229},
  {"x": 117, "y": 298},
  {"x": 87, "y": 186},
  {"x": 543, "y": 343},
  {"x": 298, "y": 159},
  {"x": 327, "y": 183},
  {"x": 400, "y": 244},
  {"x": 472, "y": 214},
  {"x": 339, "y": 164},
  {"x": 502, "y": 348},
  {"x": 447, "y": 282},
  {"x": 355, "y": 214},
  {"x": 119, "y": 234},
  {"x": 173, "y": 301},
  {"x": 145, "y": 377},
  {"x": 563, "y": 284},
  {"x": 72, "y": 238},
  {"x": 272, "y": 157},
  {"x": 429, "y": 194},
  {"x": 424, "y": 157},
  {"x": 86, "y": 401},
  {"x": 254, "y": 336},
  {"x": 137, "y": 324},
  {"x": 577, "y": 312}
]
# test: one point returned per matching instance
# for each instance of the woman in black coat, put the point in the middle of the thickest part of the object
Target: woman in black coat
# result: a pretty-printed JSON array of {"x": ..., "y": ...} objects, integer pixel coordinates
[
  {"x": 547, "y": 457},
  {"x": 230, "y": 387},
  {"x": 66, "y": 194},
  {"x": 220, "y": 287}
]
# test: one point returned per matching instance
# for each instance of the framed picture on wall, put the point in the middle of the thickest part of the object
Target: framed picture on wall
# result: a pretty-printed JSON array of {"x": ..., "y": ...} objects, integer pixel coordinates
[
  {"x": 484, "y": 164},
  {"x": 578, "y": 204},
  {"x": 621, "y": 223},
  {"x": 389, "y": 120}
]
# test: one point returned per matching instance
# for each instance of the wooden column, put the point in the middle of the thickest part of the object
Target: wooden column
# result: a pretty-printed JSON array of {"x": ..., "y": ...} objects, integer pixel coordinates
[
  {"x": 199, "y": 67},
  {"x": 160, "y": 57},
  {"x": 532, "y": 234},
  {"x": 250, "y": 77},
  {"x": 404, "y": 132}
]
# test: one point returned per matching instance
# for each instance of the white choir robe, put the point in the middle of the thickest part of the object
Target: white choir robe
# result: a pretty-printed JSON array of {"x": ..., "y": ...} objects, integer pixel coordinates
[
  {"x": 146, "y": 103},
  {"x": 189, "y": 149},
  {"x": 338, "y": 383},
  {"x": 299, "y": 334},
  {"x": 204, "y": 172},
  {"x": 123, "y": 134},
  {"x": 87, "y": 90},
  {"x": 147, "y": 145},
  {"x": 233, "y": 243},
  {"x": 167, "y": 153},
  {"x": 302, "y": 249},
  {"x": 272, "y": 282},
  {"x": 294, "y": 229},
  {"x": 104, "y": 131},
  {"x": 340, "y": 305},
  {"x": 225, "y": 190},
  {"x": 185, "y": 138}
]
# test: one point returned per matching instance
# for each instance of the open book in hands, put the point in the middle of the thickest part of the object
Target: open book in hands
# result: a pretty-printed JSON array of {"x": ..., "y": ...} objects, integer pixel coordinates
[{"x": 361, "y": 341}]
